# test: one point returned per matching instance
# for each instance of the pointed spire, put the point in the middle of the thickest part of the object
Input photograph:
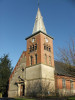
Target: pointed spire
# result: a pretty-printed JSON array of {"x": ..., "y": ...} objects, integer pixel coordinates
[{"x": 39, "y": 24}]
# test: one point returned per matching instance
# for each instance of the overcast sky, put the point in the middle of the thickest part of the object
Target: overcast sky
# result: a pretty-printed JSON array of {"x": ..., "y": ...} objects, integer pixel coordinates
[{"x": 17, "y": 19}]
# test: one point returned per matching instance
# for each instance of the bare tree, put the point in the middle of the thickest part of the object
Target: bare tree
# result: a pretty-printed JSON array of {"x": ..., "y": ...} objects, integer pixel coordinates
[{"x": 67, "y": 56}]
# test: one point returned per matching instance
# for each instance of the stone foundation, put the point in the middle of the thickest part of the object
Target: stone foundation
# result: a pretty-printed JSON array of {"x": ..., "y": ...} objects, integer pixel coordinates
[
  {"x": 40, "y": 80},
  {"x": 40, "y": 87}
]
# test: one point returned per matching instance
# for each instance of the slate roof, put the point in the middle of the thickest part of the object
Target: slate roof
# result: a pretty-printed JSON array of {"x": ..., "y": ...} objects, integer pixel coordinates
[{"x": 61, "y": 69}]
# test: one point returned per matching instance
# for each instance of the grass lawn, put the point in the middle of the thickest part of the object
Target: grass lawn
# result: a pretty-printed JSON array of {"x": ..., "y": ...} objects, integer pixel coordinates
[
  {"x": 23, "y": 99},
  {"x": 71, "y": 98}
]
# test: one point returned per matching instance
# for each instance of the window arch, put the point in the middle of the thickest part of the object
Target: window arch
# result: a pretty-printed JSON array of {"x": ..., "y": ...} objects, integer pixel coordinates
[
  {"x": 31, "y": 60},
  {"x": 50, "y": 60},
  {"x": 44, "y": 47},
  {"x": 35, "y": 58},
  {"x": 36, "y": 46},
  {"x": 49, "y": 49},
  {"x": 45, "y": 59},
  {"x": 30, "y": 48},
  {"x": 33, "y": 48}
]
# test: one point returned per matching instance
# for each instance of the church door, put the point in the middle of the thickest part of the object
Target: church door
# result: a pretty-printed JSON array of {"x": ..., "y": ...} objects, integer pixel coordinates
[{"x": 22, "y": 89}]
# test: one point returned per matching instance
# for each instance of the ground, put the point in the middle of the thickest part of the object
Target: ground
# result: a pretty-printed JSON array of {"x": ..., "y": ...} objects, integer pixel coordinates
[{"x": 51, "y": 98}]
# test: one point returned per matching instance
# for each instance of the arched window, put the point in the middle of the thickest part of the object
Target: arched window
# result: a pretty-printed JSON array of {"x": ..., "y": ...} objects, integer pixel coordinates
[
  {"x": 31, "y": 60},
  {"x": 50, "y": 60},
  {"x": 30, "y": 48},
  {"x": 33, "y": 48},
  {"x": 44, "y": 47},
  {"x": 49, "y": 49},
  {"x": 35, "y": 58},
  {"x": 45, "y": 59},
  {"x": 36, "y": 46}
]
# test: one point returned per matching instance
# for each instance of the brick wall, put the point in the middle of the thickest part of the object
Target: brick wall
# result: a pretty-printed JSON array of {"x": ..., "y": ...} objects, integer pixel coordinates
[
  {"x": 67, "y": 90},
  {"x": 40, "y": 40}
]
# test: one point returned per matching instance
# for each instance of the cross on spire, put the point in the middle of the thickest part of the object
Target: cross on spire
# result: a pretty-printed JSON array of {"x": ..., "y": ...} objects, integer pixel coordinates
[{"x": 38, "y": 3}]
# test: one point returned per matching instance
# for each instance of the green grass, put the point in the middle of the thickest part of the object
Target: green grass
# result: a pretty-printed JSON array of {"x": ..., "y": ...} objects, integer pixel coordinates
[
  {"x": 23, "y": 99},
  {"x": 71, "y": 98}
]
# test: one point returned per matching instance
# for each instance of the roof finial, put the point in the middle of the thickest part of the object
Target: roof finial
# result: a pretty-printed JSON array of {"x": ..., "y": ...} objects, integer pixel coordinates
[{"x": 38, "y": 3}]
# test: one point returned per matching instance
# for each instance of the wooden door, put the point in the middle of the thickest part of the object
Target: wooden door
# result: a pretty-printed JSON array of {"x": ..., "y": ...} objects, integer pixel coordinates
[{"x": 22, "y": 89}]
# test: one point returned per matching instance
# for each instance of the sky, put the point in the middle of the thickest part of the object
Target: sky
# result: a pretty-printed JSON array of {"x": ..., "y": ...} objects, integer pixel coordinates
[{"x": 17, "y": 19}]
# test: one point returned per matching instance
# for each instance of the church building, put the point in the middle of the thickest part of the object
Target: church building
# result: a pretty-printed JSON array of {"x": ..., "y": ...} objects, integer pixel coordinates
[{"x": 36, "y": 73}]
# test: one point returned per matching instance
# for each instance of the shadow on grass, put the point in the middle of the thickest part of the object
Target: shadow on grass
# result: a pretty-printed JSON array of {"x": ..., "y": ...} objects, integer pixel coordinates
[
  {"x": 48, "y": 98},
  {"x": 24, "y": 99}
]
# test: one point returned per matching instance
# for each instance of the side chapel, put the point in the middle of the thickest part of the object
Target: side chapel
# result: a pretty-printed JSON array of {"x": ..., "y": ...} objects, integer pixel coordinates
[{"x": 36, "y": 72}]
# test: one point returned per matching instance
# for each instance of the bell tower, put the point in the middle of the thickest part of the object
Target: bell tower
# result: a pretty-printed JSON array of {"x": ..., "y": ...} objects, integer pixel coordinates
[
  {"x": 40, "y": 57},
  {"x": 39, "y": 44}
]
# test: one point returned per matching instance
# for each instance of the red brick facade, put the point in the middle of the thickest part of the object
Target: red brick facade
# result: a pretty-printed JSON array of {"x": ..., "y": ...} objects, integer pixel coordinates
[
  {"x": 68, "y": 82},
  {"x": 40, "y": 40}
]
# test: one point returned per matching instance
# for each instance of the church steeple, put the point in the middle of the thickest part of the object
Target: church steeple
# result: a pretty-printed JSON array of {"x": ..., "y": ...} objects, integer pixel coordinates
[{"x": 39, "y": 24}]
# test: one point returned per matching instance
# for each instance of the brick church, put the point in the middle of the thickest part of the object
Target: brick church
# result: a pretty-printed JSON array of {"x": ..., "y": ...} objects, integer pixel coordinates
[{"x": 36, "y": 72}]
